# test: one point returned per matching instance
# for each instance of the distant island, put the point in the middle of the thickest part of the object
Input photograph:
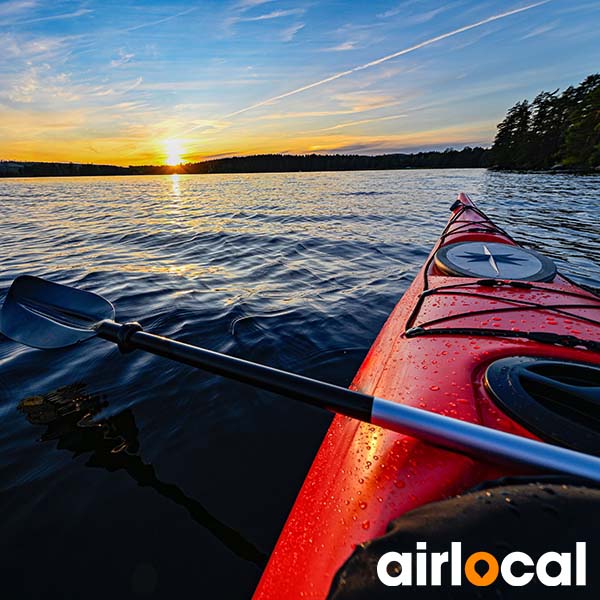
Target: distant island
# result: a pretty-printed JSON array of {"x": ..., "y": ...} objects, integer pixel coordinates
[{"x": 552, "y": 132}]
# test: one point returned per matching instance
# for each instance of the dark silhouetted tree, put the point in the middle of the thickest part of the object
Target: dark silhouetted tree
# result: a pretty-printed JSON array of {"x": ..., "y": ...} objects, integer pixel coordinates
[
  {"x": 553, "y": 130},
  {"x": 511, "y": 146},
  {"x": 582, "y": 140}
]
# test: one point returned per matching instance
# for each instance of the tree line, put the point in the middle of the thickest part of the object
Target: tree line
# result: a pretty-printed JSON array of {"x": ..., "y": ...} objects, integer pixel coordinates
[
  {"x": 278, "y": 163},
  {"x": 266, "y": 163},
  {"x": 555, "y": 130}
]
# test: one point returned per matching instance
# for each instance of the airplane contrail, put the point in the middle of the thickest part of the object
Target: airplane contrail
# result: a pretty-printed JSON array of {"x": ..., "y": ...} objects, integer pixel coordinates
[{"x": 383, "y": 59}]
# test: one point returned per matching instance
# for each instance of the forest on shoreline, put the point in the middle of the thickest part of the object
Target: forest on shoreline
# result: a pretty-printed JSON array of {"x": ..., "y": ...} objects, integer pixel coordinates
[
  {"x": 265, "y": 163},
  {"x": 555, "y": 131}
]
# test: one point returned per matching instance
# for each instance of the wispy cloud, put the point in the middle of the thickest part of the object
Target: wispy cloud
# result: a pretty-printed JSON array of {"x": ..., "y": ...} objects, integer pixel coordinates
[
  {"x": 199, "y": 84},
  {"x": 344, "y": 46},
  {"x": 30, "y": 84},
  {"x": 13, "y": 7},
  {"x": 289, "y": 33},
  {"x": 537, "y": 31},
  {"x": 71, "y": 15},
  {"x": 454, "y": 135},
  {"x": 40, "y": 84},
  {"x": 363, "y": 100},
  {"x": 350, "y": 104},
  {"x": 388, "y": 57},
  {"x": 361, "y": 122},
  {"x": 26, "y": 48},
  {"x": 247, "y": 4},
  {"x": 275, "y": 14},
  {"x": 163, "y": 20},
  {"x": 123, "y": 58},
  {"x": 392, "y": 12},
  {"x": 428, "y": 15}
]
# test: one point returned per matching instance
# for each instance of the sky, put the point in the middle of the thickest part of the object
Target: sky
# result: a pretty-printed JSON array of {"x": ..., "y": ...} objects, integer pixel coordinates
[{"x": 157, "y": 82}]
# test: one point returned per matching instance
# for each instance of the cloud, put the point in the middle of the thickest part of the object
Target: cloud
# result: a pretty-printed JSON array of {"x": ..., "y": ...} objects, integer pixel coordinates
[
  {"x": 540, "y": 30},
  {"x": 27, "y": 49},
  {"x": 360, "y": 122},
  {"x": 344, "y": 46},
  {"x": 124, "y": 58},
  {"x": 247, "y": 4},
  {"x": 23, "y": 88},
  {"x": 163, "y": 20},
  {"x": 39, "y": 83},
  {"x": 392, "y": 12},
  {"x": 15, "y": 7},
  {"x": 420, "y": 18},
  {"x": 72, "y": 15},
  {"x": 201, "y": 84},
  {"x": 384, "y": 59},
  {"x": 288, "y": 34},
  {"x": 363, "y": 100},
  {"x": 455, "y": 135},
  {"x": 275, "y": 14},
  {"x": 118, "y": 89}
]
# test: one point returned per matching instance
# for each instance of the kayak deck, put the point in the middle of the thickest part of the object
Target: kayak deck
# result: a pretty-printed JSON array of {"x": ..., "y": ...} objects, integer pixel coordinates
[{"x": 364, "y": 476}]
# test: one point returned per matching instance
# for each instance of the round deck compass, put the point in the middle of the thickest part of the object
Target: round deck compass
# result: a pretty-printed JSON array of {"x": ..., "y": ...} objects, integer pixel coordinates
[{"x": 494, "y": 260}]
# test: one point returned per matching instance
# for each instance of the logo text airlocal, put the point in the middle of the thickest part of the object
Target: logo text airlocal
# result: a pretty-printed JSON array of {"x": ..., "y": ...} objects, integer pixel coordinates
[{"x": 517, "y": 568}]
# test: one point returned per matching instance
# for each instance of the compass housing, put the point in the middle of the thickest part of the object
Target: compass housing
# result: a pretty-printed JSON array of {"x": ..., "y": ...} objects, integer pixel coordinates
[{"x": 494, "y": 260}]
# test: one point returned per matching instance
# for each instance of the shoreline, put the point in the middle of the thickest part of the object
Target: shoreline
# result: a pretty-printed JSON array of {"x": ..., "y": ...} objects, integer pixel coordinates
[{"x": 584, "y": 172}]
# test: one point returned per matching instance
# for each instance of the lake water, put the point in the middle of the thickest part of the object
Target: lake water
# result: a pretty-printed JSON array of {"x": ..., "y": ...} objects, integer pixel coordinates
[{"x": 130, "y": 476}]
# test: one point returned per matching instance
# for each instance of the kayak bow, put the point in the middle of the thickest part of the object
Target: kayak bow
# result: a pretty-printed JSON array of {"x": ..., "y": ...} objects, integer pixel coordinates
[{"x": 488, "y": 333}]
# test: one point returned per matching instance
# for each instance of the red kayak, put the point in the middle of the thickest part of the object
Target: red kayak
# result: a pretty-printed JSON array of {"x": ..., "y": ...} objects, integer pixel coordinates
[{"x": 488, "y": 332}]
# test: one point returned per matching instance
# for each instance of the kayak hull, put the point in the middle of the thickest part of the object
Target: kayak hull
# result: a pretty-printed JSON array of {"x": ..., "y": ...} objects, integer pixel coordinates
[{"x": 363, "y": 476}]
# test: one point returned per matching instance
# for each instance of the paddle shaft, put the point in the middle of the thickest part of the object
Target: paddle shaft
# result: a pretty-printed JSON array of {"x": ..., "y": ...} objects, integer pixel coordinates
[{"x": 468, "y": 438}]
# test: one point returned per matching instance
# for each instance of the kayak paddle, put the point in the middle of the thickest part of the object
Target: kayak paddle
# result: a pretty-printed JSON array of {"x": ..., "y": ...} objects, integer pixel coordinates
[{"x": 43, "y": 314}]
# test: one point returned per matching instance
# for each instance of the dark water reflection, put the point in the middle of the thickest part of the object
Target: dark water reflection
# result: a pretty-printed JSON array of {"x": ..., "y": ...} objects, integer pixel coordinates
[{"x": 193, "y": 474}]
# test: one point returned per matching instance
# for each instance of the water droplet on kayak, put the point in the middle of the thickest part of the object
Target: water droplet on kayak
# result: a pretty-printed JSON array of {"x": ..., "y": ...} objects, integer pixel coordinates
[
  {"x": 400, "y": 484},
  {"x": 362, "y": 505},
  {"x": 366, "y": 525},
  {"x": 434, "y": 388}
]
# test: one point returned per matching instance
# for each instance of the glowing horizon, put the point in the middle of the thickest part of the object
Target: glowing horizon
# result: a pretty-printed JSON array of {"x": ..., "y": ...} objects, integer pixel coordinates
[{"x": 108, "y": 83}]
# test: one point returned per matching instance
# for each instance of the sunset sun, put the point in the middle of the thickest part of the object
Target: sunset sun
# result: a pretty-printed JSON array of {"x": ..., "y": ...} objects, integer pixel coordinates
[{"x": 173, "y": 151}]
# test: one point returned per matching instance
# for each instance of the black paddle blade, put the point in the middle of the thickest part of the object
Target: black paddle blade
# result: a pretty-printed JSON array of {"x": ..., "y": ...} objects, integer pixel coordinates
[{"x": 43, "y": 314}]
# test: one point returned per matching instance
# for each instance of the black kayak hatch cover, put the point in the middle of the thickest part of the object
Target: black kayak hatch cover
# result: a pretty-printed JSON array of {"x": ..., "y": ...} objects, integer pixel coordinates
[
  {"x": 494, "y": 260},
  {"x": 557, "y": 400}
]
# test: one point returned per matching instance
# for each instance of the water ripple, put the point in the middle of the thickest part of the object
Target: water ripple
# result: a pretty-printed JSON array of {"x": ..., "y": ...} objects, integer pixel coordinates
[{"x": 298, "y": 271}]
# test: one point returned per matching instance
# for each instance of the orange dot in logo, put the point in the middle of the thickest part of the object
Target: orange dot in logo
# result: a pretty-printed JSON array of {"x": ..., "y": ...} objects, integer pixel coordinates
[{"x": 489, "y": 576}]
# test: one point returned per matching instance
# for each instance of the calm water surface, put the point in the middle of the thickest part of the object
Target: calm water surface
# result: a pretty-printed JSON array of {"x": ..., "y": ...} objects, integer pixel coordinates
[{"x": 130, "y": 476}]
